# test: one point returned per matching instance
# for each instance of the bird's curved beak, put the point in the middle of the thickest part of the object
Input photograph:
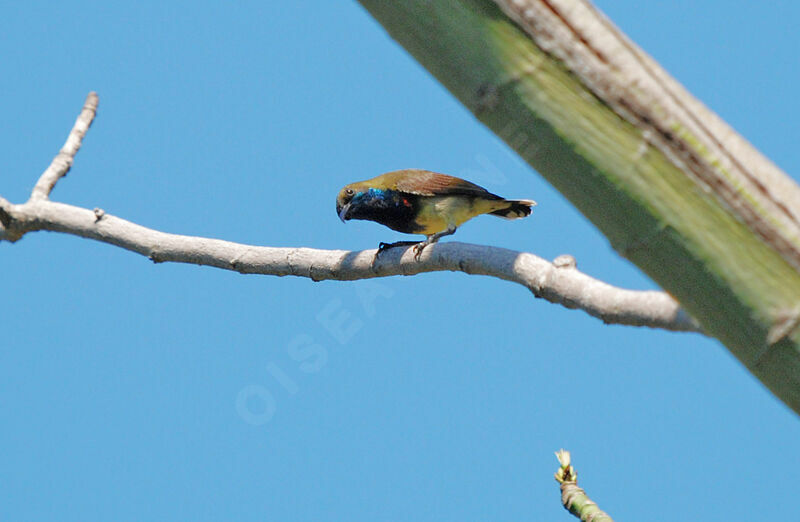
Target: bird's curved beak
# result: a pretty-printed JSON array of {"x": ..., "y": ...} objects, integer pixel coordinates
[{"x": 343, "y": 212}]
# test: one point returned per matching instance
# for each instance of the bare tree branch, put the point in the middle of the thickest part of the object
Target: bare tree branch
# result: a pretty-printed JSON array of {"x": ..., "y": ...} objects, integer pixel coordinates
[
  {"x": 63, "y": 160},
  {"x": 558, "y": 282}
]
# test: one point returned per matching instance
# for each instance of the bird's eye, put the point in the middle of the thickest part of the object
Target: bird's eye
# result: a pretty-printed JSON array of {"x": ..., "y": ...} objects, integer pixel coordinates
[{"x": 348, "y": 191}]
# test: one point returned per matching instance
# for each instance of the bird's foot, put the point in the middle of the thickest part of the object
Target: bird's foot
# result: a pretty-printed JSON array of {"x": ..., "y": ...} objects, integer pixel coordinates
[
  {"x": 431, "y": 239},
  {"x": 383, "y": 247},
  {"x": 418, "y": 248}
]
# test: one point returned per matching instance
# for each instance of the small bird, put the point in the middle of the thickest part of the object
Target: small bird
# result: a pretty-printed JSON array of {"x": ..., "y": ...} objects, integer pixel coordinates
[{"x": 416, "y": 201}]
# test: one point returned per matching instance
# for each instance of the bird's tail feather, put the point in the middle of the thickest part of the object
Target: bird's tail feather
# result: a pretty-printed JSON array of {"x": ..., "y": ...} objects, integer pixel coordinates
[{"x": 517, "y": 208}]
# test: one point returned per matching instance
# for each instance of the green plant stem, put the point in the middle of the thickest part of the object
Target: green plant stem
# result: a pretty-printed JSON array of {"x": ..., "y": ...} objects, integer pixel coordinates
[{"x": 742, "y": 289}]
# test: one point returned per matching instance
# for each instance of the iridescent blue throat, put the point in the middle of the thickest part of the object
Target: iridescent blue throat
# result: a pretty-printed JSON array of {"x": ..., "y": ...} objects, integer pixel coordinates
[
  {"x": 392, "y": 208},
  {"x": 373, "y": 194}
]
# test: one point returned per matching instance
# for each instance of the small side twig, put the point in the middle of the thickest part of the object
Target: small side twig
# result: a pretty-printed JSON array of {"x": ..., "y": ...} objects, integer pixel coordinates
[
  {"x": 63, "y": 161},
  {"x": 574, "y": 498}
]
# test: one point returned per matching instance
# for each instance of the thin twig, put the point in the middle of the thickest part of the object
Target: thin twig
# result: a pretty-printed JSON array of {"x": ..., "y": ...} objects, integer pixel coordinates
[
  {"x": 574, "y": 499},
  {"x": 63, "y": 161}
]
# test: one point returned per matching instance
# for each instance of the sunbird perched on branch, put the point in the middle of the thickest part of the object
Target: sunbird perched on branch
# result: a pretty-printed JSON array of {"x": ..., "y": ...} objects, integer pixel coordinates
[{"x": 415, "y": 201}]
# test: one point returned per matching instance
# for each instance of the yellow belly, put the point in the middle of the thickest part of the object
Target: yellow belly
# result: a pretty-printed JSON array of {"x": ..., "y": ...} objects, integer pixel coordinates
[{"x": 438, "y": 213}]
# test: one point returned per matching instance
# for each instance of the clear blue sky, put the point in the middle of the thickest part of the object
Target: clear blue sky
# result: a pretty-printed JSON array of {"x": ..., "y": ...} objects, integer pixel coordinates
[{"x": 447, "y": 395}]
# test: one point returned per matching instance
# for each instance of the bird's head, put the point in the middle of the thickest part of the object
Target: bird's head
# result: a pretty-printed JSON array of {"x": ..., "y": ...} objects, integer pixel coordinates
[{"x": 348, "y": 198}]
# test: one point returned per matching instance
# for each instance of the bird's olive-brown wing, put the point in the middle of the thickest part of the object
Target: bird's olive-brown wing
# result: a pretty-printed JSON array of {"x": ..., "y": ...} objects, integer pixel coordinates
[{"x": 427, "y": 183}]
